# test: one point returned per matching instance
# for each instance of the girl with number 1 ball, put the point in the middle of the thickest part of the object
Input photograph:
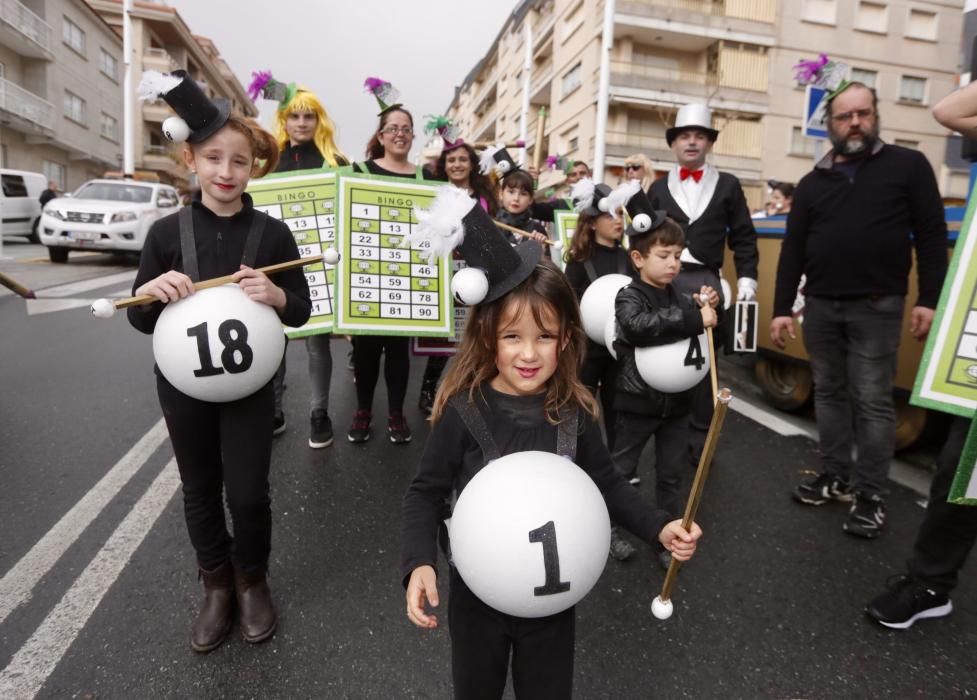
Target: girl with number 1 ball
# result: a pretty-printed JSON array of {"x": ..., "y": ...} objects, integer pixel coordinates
[{"x": 221, "y": 449}]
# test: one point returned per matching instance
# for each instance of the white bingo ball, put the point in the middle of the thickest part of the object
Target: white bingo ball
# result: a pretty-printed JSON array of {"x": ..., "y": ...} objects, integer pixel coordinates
[
  {"x": 530, "y": 534},
  {"x": 641, "y": 223},
  {"x": 469, "y": 285},
  {"x": 662, "y": 609},
  {"x": 176, "y": 130},
  {"x": 674, "y": 367},
  {"x": 598, "y": 303},
  {"x": 218, "y": 345},
  {"x": 610, "y": 335},
  {"x": 330, "y": 256}
]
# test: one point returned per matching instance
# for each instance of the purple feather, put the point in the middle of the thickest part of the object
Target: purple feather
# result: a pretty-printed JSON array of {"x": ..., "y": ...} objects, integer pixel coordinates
[
  {"x": 259, "y": 80},
  {"x": 808, "y": 71},
  {"x": 374, "y": 85},
  {"x": 551, "y": 161}
]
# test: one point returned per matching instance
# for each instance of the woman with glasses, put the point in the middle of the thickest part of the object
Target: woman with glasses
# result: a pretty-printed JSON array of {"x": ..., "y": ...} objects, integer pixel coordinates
[
  {"x": 387, "y": 154},
  {"x": 638, "y": 167}
]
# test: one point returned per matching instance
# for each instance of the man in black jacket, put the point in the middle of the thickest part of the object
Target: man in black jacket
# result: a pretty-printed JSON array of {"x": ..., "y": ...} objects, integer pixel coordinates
[
  {"x": 712, "y": 210},
  {"x": 853, "y": 224}
]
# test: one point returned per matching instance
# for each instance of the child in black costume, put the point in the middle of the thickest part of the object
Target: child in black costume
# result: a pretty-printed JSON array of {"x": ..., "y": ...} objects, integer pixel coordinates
[
  {"x": 518, "y": 367},
  {"x": 650, "y": 312},
  {"x": 222, "y": 448}
]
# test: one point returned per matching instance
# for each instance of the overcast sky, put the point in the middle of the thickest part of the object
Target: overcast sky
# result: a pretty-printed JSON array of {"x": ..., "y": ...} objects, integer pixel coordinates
[{"x": 424, "y": 47}]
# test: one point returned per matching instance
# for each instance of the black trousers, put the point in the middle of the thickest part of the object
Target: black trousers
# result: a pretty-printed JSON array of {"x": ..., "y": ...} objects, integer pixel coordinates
[
  {"x": 367, "y": 351},
  {"x": 599, "y": 374},
  {"x": 671, "y": 445},
  {"x": 433, "y": 370},
  {"x": 482, "y": 639},
  {"x": 223, "y": 449},
  {"x": 948, "y": 531}
]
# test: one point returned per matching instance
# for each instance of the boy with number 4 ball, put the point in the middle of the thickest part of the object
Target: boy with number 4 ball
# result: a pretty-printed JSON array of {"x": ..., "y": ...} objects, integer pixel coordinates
[
  {"x": 513, "y": 387},
  {"x": 650, "y": 312}
]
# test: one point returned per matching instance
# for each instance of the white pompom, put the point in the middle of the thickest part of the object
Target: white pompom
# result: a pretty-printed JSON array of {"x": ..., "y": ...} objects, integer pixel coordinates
[
  {"x": 103, "y": 308},
  {"x": 641, "y": 223},
  {"x": 330, "y": 256},
  {"x": 603, "y": 205},
  {"x": 504, "y": 166},
  {"x": 469, "y": 285},
  {"x": 662, "y": 609},
  {"x": 176, "y": 130}
]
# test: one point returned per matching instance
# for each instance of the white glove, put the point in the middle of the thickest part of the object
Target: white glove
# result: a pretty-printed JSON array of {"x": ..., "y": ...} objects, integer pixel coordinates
[{"x": 745, "y": 289}]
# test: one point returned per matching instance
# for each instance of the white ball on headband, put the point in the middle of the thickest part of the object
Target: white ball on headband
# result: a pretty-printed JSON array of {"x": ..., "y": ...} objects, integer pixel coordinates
[
  {"x": 641, "y": 223},
  {"x": 469, "y": 285},
  {"x": 176, "y": 130}
]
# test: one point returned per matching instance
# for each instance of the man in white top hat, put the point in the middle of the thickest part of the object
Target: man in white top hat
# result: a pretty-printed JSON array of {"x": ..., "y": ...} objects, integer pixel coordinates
[{"x": 712, "y": 209}]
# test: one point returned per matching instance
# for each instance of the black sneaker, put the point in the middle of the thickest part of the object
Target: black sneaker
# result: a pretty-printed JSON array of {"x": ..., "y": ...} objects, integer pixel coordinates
[
  {"x": 821, "y": 489},
  {"x": 621, "y": 549},
  {"x": 279, "y": 425},
  {"x": 866, "y": 517},
  {"x": 360, "y": 430},
  {"x": 397, "y": 429},
  {"x": 906, "y": 601},
  {"x": 425, "y": 401},
  {"x": 320, "y": 433}
]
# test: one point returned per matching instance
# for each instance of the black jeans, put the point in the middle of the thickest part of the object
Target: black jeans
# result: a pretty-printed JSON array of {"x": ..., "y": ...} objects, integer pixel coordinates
[
  {"x": 948, "y": 531},
  {"x": 482, "y": 638},
  {"x": 223, "y": 448},
  {"x": 367, "y": 350},
  {"x": 632, "y": 433},
  {"x": 599, "y": 374}
]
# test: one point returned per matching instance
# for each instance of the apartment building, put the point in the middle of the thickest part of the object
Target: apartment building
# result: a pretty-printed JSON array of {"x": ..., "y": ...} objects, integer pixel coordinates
[
  {"x": 60, "y": 90},
  {"x": 735, "y": 55},
  {"x": 162, "y": 41}
]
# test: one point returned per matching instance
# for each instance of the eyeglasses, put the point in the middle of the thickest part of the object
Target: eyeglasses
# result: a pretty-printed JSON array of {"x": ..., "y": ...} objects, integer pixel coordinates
[
  {"x": 632, "y": 166},
  {"x": 393, "y": 131},
  {"x": 845, "y": 117}
]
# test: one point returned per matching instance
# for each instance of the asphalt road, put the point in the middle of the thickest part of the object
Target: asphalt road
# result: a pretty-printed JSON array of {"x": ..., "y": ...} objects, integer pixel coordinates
[{"x": 770, "y": 608}]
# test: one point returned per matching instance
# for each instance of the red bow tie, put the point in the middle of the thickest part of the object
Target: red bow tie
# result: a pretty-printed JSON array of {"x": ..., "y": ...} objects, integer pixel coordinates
[{"x": 685, "y": 174}]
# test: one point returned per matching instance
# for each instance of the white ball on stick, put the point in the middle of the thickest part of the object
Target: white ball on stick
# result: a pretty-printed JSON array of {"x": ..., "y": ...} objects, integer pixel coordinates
[
  {"x": 662, "y": 609},
  {"x": 330, "y": 256},
  {"x": 103, "y": 308}
]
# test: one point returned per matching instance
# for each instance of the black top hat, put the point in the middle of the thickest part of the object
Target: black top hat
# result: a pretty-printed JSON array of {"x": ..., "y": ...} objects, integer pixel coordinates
[
  {"x": 587, "y": 197},
  {"x": 202, "y": 116},
  {"x": 498, "y": 160},
  {"x": 643, "y": 216}
]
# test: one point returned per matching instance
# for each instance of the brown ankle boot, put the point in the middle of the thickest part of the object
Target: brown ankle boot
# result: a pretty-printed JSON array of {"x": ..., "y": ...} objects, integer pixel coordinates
[
  {"x": 256, "y": 612},
  {"x": 214, "y": 619}
]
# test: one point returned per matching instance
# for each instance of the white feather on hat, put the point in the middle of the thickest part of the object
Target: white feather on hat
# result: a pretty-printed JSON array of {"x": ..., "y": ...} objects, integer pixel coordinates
[
  {"x": 154, "y": 85},
  {"x": 441, "y": 223},
  {"x": 582, "y": 193},
  {"x": 620, "y": 195},
  {"x": 486, "y": 164}
]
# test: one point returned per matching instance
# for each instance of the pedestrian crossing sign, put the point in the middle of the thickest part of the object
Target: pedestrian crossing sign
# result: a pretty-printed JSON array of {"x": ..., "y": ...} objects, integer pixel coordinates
[{"x": 815, "y": 123}]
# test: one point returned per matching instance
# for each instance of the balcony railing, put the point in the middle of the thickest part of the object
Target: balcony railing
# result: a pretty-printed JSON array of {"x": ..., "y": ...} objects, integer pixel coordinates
[
  {"x": 31, "y": 27},
  {"x": 25, "y": 104},
  {"x": 159, "y": 59},
  {"x": 754, "y": 10},
  {"x": 638, "y": 71},
  {"x": 740, "y": 69}
]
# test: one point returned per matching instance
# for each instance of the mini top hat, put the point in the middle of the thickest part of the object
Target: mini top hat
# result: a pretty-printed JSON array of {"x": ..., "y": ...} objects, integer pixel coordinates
[
  {"x": 263, "y": 84},
  {"x": 198, "y": 118},
  {"x": 694, "y": 116},
  {"x": 456, "y": 221},
  {"x": 644, "y": 218},
  {"x": 496, "y": 159},
  {"x": 445, "y": 128},
  {"x": 384, "y": 92}
]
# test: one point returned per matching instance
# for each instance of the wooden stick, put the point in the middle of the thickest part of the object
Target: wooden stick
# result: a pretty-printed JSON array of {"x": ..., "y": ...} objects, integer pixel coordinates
[
  {"x": 16, "y": 287},
  {"x": 540, "y": 128},
  {"x": 487, "y": 144},
  {"x": 712, "y": 366},
  {"x": 218, "y": 281},
  {"x": 519, "y": 232}
]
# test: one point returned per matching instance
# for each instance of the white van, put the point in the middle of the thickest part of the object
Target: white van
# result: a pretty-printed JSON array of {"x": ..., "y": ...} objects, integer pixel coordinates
[{"x": 20, "y": 204}]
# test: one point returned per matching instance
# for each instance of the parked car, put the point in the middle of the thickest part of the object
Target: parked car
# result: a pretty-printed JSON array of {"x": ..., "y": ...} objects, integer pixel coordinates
[
  {"x": 105, "y": 215},
  {"x": 20, "y": 203}
]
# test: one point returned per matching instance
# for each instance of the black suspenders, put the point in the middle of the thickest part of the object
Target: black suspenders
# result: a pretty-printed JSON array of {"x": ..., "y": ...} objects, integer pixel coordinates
[
  {"x": 622, "y": 266},
  {"x": 188, "y": 243}
]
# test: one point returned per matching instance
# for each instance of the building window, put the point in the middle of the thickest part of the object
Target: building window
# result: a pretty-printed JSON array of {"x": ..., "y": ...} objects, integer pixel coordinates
[
  {"x": 72, "y": 35},
  {"x": 872, "y": 17},
  {"x": 54, "y": 172},
  {"x": 921, "y": 25},
  {"x": 866, "y": 77},
  {"x": 907, "y": 143},
  {"x": 571, "y": 79},
  {"x": 572, "y": 20},
  {"x": 573, "y": 144},
  {"x": 109, "y": 127},
  {"x": 800, "y": 145},
  {"x": 912, "y": 89},
  {"x": 75, "y": 108},
  {"x": 820, "y": 11},
  {"x": 108, "y": 64}
]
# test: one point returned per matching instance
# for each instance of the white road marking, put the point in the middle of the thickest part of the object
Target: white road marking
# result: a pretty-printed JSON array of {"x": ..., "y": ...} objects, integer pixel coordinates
[
  {"x": 17, "y": 585},
  {"x": 770, "y": 420},
  {"x": 35, "y": 307},
  {"x": 30, "y": 667},
  {"x": 72, "y": 288}
]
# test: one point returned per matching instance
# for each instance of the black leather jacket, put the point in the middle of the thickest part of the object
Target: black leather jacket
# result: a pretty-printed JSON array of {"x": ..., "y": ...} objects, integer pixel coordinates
[{"x": 648, "y": 316}]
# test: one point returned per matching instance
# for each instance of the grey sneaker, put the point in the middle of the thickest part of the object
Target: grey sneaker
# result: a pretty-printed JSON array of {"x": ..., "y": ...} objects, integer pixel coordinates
[
  {"x": 621, "y": 549},
  {"x": 821, "y": 489}
]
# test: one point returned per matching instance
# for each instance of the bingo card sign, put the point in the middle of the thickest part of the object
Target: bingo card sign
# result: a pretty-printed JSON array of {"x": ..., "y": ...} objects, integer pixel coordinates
[
  {"x": 307, "y": 204},
  {"x": 386, "y": 288},
  {"x": 564, "y": 224}
]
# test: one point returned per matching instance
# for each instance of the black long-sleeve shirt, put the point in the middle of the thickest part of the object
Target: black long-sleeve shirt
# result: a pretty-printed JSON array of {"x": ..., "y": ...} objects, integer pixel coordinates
[
  {"x": 518, "y": 424},
  {"x": 220, "y": 246},
  {"x": 606, "y": 261},
  {"x": 852, "y": 233},
  {"x": 304, "y": 156}
]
